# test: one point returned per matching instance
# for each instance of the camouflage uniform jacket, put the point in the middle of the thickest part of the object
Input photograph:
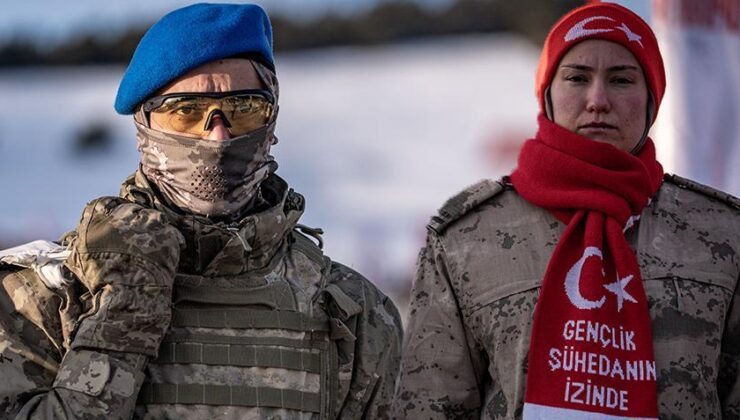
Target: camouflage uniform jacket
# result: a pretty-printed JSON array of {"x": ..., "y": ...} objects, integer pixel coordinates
[
  {"x": 478, "y": 279},
  {"x": 263, "y": 326}
]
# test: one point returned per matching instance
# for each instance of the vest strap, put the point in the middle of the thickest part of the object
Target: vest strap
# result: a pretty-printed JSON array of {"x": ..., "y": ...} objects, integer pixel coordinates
[
  {"x": 275, "y": 295},
  {"x": 246, "y": 318},
  {"x": 346, "y": 306},
  {"x": 318, "y": 342},
  {"x": 234, "y": 395},
  {"x": 239, "y": 355}
]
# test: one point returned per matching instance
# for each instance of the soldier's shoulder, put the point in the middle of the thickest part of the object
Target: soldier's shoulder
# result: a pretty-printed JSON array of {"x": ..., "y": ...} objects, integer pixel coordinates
[
  {"x": 132, "y": 199},
  {"x": 99, "y": 206},
  {"x": 354, "y": 284},
  {"x": 104, "y": 204},
  {"x": 466, "y": 201},
  {"x": 352, "y": 292},
  {"x": 681, "y": 186},
  {"x": 368, "y": 297}
]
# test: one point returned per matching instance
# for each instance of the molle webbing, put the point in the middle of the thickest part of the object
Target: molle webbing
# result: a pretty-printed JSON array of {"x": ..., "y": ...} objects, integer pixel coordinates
[
  {"x": 190, "y": 337},
  {"x": 187, "y": 347},
  {"x": 246, "y": 318},
  {"x": 239, "y": 355},
  {"x": 236, "y": 395}
]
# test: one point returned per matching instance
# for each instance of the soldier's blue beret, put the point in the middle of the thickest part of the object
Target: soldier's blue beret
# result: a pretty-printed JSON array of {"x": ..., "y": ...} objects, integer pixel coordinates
[{"x": 189, "y": 37}]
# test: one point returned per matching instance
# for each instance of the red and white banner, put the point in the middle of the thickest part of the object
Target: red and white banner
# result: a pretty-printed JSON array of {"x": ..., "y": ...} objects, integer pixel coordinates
[
  {"x": 698, "y": 128},
  {"x": 591, "y": 348}
]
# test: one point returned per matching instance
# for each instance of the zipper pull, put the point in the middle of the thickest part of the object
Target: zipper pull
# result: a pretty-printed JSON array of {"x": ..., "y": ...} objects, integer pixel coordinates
[
  {"x": 312, "y": 232},
  {"x": 235, "y": 231}
]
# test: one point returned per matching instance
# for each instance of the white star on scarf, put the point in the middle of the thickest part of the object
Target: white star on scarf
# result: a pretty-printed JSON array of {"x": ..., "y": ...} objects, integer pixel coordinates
[
  {"x": 631, "y": 36},
  {"x": 618, "y": 289}
]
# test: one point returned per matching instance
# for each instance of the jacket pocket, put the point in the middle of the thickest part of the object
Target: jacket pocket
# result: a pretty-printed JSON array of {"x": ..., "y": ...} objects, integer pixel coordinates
[
  {"x": 698, "y": 297},
  {"x": 502, "y": 291},
  {"x": 688, "y": 309},
  {"x": 502, "y": 328}
]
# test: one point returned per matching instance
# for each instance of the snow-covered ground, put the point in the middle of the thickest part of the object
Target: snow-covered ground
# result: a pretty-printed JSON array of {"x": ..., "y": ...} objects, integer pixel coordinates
[{"x": 376, "y": 138}]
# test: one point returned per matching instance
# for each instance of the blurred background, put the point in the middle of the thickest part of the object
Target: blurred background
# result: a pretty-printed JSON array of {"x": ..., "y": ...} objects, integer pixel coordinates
[{"x": 387, "y": 108}]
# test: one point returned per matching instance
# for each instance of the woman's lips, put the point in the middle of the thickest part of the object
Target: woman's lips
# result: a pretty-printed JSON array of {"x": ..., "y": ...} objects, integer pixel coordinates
[{"x": 597, "y": 126}]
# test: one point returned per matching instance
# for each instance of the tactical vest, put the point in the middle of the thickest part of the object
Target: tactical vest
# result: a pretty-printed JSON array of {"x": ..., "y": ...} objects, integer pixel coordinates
[{"x": 265, "y": 340}]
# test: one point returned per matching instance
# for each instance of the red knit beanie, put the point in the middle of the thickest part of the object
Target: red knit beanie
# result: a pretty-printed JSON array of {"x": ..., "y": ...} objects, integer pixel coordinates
[{"x": 610, "y": 22}]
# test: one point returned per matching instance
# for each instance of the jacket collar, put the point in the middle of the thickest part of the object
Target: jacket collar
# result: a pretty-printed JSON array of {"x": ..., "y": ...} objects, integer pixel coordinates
[{"x": 215, "y": 248}]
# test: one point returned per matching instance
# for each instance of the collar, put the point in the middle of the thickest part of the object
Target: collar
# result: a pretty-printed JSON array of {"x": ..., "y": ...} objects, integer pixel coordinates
[{"x": 216, "y": 248}]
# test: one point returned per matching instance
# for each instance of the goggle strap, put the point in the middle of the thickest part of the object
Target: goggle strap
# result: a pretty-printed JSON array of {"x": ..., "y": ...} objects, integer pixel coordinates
[
  {"x": 263, "y": 77},
  {"x": 143, "y": 117}
]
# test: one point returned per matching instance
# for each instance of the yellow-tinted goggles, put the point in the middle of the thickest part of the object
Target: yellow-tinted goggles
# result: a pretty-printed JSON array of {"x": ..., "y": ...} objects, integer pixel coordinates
[{"x": 192, "y": 113}]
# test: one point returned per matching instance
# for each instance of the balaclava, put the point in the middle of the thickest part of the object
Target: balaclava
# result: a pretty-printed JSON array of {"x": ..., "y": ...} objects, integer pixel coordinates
[
  {"x": 199, "y": 176},
  {"x": 207, "y": 177}
]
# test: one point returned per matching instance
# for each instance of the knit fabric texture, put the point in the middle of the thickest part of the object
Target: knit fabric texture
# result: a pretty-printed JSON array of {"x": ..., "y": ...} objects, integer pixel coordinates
[
  {"x": 593, "y": 277},
  {"x": 190, "y": 37},
  {"x": 610, "y": 22}
]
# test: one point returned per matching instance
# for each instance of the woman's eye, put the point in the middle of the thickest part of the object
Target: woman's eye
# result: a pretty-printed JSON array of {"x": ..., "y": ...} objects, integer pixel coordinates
[
  {"x": 622, "y": 80},
  {"x": 576, "y": 78}
]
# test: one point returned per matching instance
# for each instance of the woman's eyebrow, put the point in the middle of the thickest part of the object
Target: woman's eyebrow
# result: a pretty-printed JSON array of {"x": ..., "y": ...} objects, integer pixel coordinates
[
  {"x": 583, "y": 67},
  {"x": 623, "y": 67}
]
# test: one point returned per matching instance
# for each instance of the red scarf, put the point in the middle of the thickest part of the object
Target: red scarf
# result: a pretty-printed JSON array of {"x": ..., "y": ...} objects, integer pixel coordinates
[{"x": 592, "y": 346}]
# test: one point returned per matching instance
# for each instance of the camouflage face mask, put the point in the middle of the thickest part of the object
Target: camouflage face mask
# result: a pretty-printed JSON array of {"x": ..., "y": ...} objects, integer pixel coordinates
[{"x": 206, "y": 177}]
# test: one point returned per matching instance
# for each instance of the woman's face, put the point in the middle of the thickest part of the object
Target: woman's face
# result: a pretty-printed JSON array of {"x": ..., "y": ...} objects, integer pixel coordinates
[{"x": 599, "y": 92}]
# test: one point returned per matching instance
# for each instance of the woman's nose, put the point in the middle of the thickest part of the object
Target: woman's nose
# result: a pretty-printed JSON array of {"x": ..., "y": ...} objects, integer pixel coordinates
[{"x": 598, "y": 98}]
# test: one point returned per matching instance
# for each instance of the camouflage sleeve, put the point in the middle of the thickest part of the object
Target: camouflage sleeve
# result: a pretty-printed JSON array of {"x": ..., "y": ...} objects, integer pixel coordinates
[
  {"x": 124, "y": 257},
  {"x": 368, "y": 369},
  {"x": 37, "y": 382},
  {"x": 728, "y": 382},
  {"x": 25, "y": 365},
  {"x": 89, "y": 384},
  {"x": 379, "y": 342},
  {"x": 438, "y": 376}
]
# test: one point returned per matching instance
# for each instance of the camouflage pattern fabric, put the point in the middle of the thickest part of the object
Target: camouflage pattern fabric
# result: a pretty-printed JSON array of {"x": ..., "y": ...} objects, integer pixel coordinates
[
  {"x": 125, "y": 255},
  {"x": 478, "y": 279},
  {"x": 213, "y": 178},
  {"x": 344, "y": 348}
]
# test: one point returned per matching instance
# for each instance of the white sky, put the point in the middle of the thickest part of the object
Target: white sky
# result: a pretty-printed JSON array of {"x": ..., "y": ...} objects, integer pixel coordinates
[{"x": 54, "y": 19}]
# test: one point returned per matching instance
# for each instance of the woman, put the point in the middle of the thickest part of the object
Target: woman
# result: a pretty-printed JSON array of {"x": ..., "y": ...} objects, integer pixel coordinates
[{"x": 588, "y": 284}]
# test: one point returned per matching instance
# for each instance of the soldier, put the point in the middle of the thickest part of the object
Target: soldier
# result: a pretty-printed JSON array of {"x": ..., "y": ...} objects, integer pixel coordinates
[
  {"x": 195, "y": 293},
  {"x": 587, "y": 284}
]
